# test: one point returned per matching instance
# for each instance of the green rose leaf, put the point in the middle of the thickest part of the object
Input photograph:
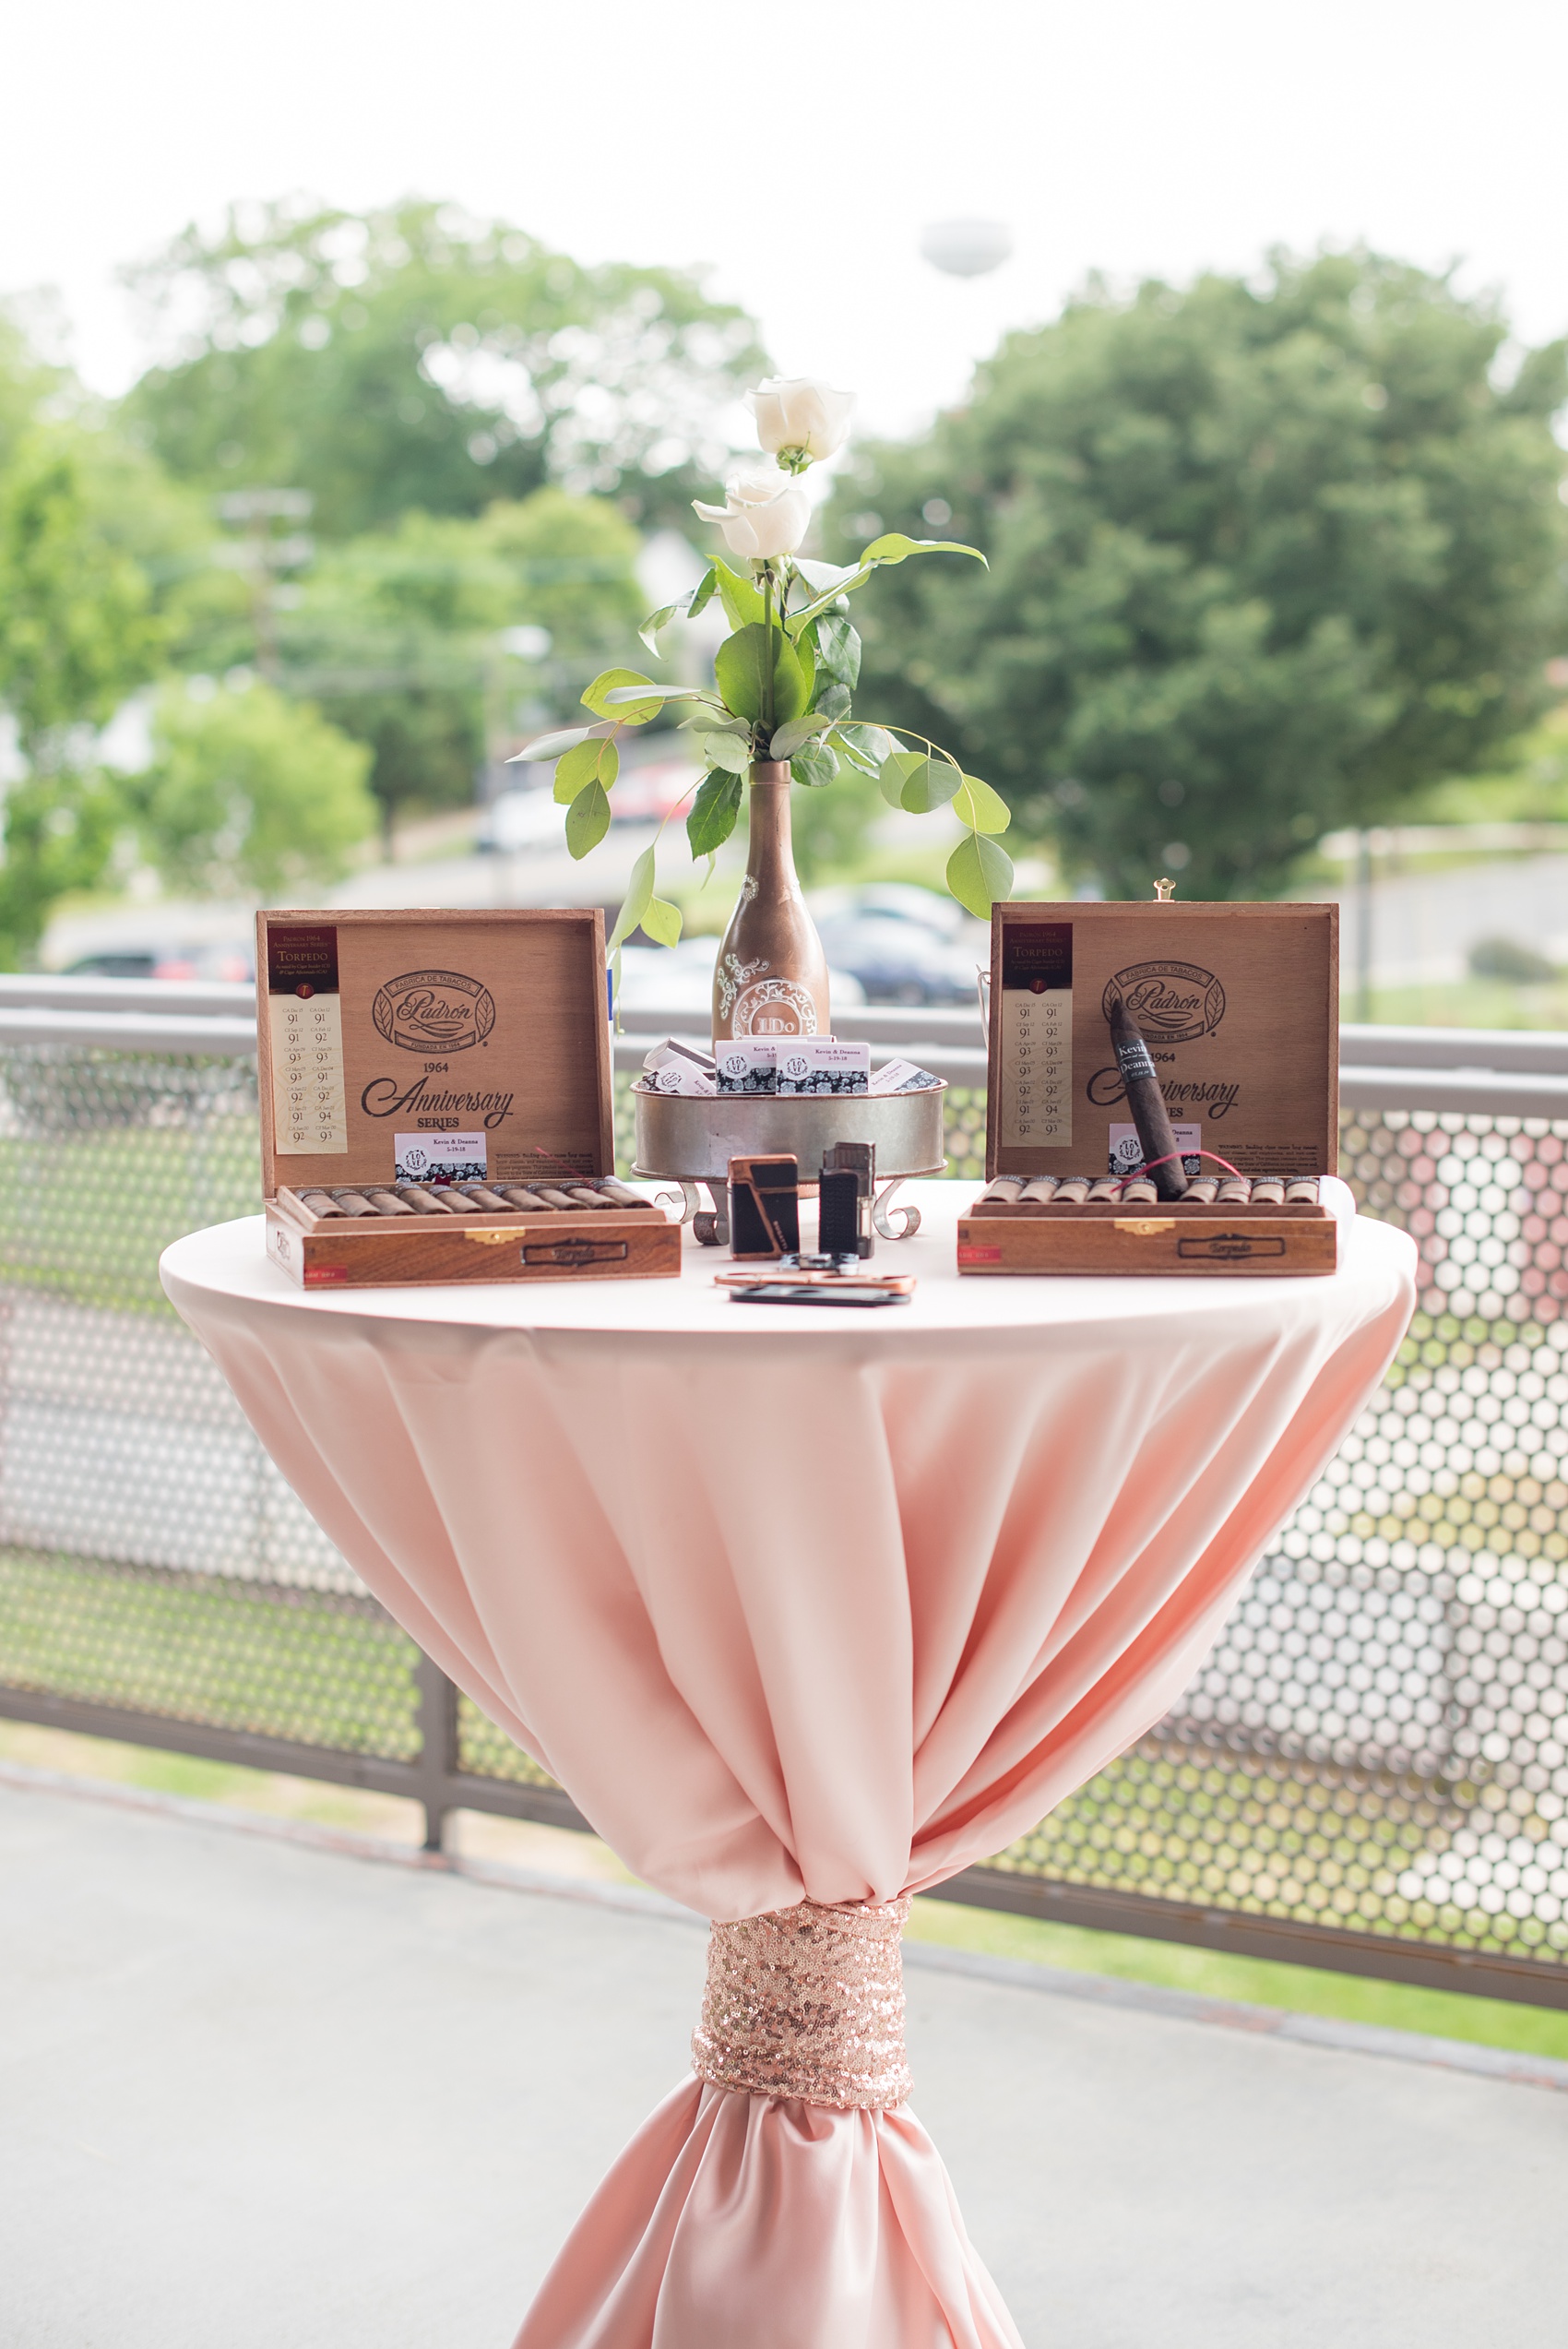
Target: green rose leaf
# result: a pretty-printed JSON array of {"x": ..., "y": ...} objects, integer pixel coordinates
[
  {"x": 635, "y": 904},
  {"x": 649, "y": 629},
  {"x": 713, "y": 815},
  {"x": 894, "y": 547},
  {"x": 981, "y": 808},
  {"x": 978, "y": 874},
  {"x": 588, "y": 819},
  {"x": 550, "y": 745},
  {"x": 826, "y": 578},
  {"x": 815, "y": 765},
  {"x": 662, "y": 921},
  {"x": 789, "y": 739},
  {"x": 740, "y": 666},
  {"x": 917, "y": 783},
  {"x": 635, "y": 713},
  {"x": 839, "y": 649},
  {"x": 702, "y": 594},
  {"x": 742, "y": 598}
]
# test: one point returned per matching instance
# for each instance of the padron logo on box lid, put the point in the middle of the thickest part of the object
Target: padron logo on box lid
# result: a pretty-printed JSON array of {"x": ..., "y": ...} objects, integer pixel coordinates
[
  {"x": 434, "y": 1011},
  {"x": 1173, "y": 1003}
]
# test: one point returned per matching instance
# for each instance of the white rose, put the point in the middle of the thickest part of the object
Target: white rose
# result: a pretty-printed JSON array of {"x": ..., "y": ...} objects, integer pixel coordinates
[
  {"x": 799, "y": 413},
  {"x": 762, "y": 516}
]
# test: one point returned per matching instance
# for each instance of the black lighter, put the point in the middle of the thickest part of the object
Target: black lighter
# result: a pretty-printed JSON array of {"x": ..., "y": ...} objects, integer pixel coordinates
[
  {"x": 849, "y": 1176},
  {"x": 765, "y": 1208}
]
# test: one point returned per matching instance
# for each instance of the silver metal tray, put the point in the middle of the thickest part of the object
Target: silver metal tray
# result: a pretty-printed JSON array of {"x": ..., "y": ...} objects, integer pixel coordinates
[{"x": 693, "y": 1138}]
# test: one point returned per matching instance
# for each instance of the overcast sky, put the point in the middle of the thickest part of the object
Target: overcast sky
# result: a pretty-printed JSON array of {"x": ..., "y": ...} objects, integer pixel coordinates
[{"x": 797, "y": 151}]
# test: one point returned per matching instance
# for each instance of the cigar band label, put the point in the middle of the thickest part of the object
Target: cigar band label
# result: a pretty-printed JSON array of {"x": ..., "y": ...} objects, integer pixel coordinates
[
  {"x": 1133, "y": 1059},
  {"x": 1173, "y": 1002},
  {"x": 434, "y": 1011}
]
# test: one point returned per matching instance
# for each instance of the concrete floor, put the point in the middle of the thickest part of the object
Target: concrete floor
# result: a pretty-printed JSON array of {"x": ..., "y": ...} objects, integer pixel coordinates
[{"x": 259, "y": 2095}]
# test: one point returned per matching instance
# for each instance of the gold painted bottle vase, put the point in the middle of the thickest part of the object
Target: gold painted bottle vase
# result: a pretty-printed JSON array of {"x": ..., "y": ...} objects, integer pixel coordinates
[{"x": 771, "y": 975}]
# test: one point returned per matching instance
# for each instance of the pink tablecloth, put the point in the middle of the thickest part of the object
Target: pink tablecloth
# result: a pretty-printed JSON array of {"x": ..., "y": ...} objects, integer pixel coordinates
[{"x": 802, "y": 1605}]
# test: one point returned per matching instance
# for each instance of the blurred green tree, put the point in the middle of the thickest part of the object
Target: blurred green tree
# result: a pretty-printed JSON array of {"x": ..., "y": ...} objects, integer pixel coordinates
[
  {"x": 249, "y": 791},
  {"x": 77, "y": 633},
  {"x": 1267, "y": 557},
  {"x": 429, "y": 642},
  {"x": 418, "y": 358}
]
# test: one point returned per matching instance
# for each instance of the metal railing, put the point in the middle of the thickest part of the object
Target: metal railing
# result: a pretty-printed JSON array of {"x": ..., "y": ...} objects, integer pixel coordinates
[{"x": 1370, "y": 1772}]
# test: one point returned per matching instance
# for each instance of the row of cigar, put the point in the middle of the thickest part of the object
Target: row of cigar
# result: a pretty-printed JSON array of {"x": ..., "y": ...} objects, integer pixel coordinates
[
  {"x": 570, "y": 1196},
  {"x": 1208, "y": 1190}
]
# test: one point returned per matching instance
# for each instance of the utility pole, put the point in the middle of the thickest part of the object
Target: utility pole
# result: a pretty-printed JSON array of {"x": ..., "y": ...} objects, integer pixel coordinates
[{"x": 261, "y": 555}]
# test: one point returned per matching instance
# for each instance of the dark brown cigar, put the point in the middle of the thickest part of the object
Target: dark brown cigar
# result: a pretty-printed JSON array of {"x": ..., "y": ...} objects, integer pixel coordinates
[
  {"x": 478, "y": 1196},
  {"x": 1146, "y": 1103},
  {"x": 1300, "y": 1190},
  {"x": 388, "y": 1203}
]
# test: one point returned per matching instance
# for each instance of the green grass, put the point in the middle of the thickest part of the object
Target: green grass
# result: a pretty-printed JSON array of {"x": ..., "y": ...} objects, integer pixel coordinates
[
  {"x": 316, "y": 1666},
  {"x": 1466, "y": 1003},
  {"x": 1443, "y": 2014}
]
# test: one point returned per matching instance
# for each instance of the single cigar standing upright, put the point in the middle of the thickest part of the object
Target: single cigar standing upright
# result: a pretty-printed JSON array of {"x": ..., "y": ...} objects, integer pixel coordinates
[{"x": 1146, "y": 1103}]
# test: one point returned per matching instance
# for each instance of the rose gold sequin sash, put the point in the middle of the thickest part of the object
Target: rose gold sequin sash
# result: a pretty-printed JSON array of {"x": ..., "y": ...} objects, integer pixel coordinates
[{"x": 808, "y": 2003}]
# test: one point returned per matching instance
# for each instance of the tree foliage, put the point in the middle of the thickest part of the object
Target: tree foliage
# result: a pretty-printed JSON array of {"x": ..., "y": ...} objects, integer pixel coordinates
[
  {"x": 417, "y": 358},
  {"x": 1266, "y": 558},
  {"x": 405, "y": 636},
  {"x": 249, "y": 790}
]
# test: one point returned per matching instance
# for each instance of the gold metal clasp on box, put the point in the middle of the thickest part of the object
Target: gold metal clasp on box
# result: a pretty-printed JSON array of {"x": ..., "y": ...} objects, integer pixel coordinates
[
  {"x": 490, "y": 1239},
  {"x": 1145, "y": 1227}
]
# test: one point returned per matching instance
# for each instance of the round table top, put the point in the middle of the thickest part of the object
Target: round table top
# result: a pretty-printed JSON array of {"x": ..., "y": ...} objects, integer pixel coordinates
[{"x": 230, "y": 1260}]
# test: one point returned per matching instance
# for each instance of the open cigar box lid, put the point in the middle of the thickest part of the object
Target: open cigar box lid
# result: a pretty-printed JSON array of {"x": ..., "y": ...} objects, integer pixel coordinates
[
  {"x": 1238, "y": 1004},
  {"x": 432, "y": 1047}
]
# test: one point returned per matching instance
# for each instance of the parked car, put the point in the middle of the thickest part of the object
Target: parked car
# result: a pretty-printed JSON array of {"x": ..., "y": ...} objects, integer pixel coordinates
[{"x": 899, "y": 962}]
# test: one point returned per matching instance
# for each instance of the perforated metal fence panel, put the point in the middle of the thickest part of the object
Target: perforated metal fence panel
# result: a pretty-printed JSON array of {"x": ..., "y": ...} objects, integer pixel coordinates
[{"x": 1375, "y": 1754}]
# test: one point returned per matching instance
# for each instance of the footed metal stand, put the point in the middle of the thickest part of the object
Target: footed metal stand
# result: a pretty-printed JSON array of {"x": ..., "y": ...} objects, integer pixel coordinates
[{"x": 710, "y": 1225}]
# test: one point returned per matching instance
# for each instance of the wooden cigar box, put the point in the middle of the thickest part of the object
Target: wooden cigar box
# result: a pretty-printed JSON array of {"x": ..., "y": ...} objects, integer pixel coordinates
[
  {"x": 1240, "y": 1008},
  {"x": 413, "y": 1053}
]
